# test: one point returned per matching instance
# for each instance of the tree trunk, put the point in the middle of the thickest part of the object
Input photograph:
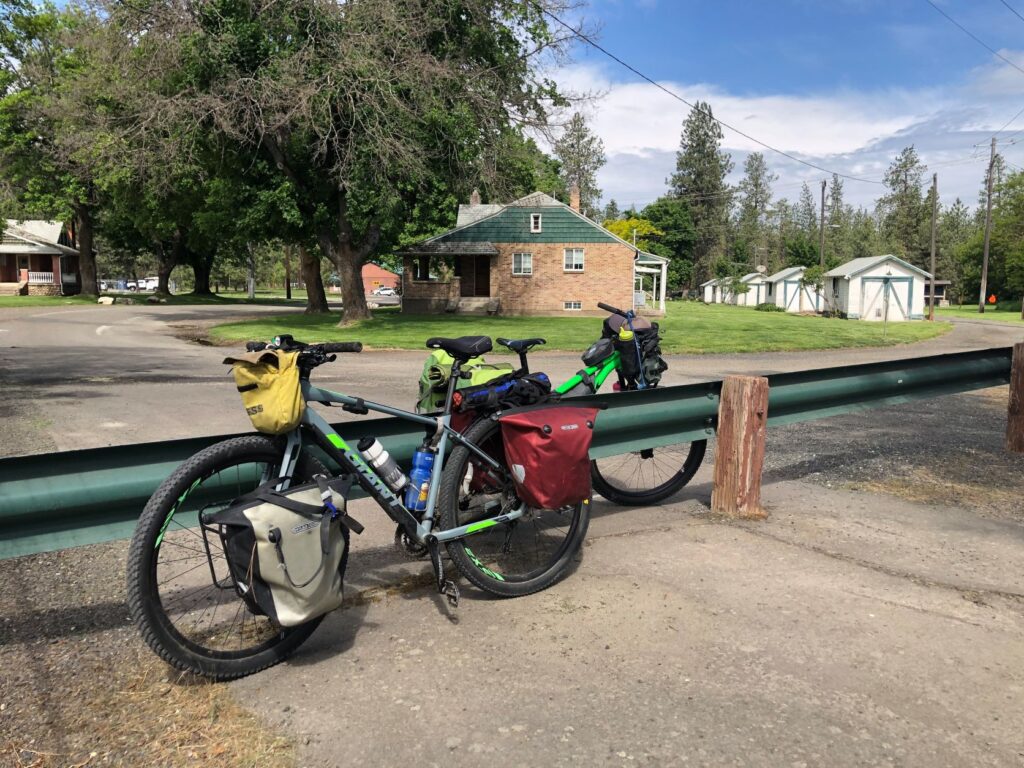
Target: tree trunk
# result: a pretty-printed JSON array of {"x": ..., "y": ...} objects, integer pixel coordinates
[
  {"x": 86, "y": 258},
  {"x": 316, "y": 297},
  {"x": 353, "y": 298},
  {"x": 167, "y": 260},
  {"x": 288, "y": 272},
  {"x": 201, "y": 266}
]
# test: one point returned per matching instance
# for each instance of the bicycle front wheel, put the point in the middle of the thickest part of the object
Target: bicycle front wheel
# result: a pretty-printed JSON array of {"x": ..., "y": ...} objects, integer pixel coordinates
[
  {"x": 508, "y": 559},
  {"x": 648, "y": 476},
  {"x": 180, "y": 591}
]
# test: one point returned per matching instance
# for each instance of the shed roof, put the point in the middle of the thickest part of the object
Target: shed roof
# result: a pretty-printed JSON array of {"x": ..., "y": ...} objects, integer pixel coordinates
[
  {"x": 750, "y": 276},
  {"x": 782, "y": 274},
  {"x": 855, "y": 267}
]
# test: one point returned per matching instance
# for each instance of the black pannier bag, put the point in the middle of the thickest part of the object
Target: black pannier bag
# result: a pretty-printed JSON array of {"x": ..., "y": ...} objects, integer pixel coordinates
[
  {"x": 641, "y": 354},
  {"x": 547, "y": 450},
  {"x": 287, "y": 551},
  {"x": 512, "y": 390}
]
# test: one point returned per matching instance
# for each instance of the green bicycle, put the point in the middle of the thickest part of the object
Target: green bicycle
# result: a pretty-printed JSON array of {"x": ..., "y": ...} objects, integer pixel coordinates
[{"x": 643, "y": 477}]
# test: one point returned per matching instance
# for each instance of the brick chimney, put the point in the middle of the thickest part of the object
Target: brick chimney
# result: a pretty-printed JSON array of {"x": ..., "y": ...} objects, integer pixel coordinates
[
  {"x": 474, "y": 198},
  {"x": 574, "y": 197}
]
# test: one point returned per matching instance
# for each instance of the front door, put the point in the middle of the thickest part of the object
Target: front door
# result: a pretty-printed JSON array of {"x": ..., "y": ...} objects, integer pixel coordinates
[{"x": 483, "y": 276}]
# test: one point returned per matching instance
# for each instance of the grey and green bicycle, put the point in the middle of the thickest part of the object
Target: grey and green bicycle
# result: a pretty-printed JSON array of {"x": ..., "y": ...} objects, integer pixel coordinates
[{"x": 194, "y": 611}]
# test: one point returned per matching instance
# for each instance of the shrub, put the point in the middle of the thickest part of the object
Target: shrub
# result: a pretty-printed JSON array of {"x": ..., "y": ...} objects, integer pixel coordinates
[{"x": 769, "y": 307}]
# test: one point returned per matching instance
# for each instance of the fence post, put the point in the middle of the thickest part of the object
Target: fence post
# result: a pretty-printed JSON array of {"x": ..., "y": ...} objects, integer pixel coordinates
[
  {"x": 739, "y": 455},
  {"x": 1015, "y": 415}
]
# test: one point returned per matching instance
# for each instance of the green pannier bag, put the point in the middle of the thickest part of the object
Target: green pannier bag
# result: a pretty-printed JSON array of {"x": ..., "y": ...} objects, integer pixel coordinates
[
  {"x": 437, "y": 370},
  {"x": 287, "y": 551},
  {"x": 268, "y": 382}
]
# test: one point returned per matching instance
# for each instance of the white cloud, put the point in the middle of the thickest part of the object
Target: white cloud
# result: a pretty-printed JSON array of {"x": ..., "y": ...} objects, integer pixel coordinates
[{"x": 853, "y": 132}]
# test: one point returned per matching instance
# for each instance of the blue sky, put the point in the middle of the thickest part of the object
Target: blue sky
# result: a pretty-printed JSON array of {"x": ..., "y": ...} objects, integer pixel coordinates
[{"x": 842, "y": 83}]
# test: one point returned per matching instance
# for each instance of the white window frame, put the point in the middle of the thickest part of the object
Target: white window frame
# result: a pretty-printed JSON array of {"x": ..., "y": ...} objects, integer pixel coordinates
[
  {"x": 535, "y": 223},
  {"x": 566, "y": 266},
  {"x": 525, "y": 269},
  {"x": 567, "y": 308}
]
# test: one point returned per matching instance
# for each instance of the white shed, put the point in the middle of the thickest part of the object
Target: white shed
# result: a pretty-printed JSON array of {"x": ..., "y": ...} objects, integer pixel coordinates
[
  {"x": 709, "y": 291},
  {"x": 877, "y": 288},
  {"x": 784, "y": 290},
  {"x": 758, "y": 293}
]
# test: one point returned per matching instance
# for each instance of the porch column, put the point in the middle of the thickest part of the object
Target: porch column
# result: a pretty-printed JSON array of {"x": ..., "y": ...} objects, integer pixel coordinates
[{"x": 664, "y": 285}]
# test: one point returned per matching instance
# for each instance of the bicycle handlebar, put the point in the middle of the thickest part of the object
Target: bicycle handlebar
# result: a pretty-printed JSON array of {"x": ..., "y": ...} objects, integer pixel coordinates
[
  {"x": 613, "y": 310},
  {"x": 291, "y": 345}
]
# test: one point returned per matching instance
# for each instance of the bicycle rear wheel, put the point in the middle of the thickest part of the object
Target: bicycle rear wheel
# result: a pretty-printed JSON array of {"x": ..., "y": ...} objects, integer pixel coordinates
[
  {"x": 647, "y": 476},
  {"x": 508, "y": 559},
  {"x": 180, "y": 591}
]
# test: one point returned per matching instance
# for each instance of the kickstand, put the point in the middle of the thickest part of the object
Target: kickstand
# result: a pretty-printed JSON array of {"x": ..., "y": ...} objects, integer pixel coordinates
[{"x": 445, "y": 587}]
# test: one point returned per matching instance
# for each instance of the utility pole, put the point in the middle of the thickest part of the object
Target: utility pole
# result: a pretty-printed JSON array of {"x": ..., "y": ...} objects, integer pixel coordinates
[
  {"x": 821, "y": 234},
  {"x": 935, "y": 205},
  {"x": 988, "y": 228}
]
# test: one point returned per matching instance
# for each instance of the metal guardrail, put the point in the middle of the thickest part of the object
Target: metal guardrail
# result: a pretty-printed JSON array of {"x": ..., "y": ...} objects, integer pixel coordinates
[{"x": 55, "y": 501}]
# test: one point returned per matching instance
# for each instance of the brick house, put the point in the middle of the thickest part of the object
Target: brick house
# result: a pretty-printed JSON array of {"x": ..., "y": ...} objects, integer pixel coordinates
[
  {"x": 534, "y": 256},
  {"x": 37, "y": 258},
  {"x": 375, "y": 276}
]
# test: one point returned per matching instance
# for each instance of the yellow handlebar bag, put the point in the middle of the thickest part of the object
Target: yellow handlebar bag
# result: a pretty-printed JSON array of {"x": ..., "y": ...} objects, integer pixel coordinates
[{"x": 268, "y": 382}]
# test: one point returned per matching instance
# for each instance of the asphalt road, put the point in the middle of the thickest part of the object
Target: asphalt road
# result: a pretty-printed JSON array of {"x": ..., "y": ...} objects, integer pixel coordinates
[
  {"x": 83, "y": 377},
  {"x": 852, "y": 628}
]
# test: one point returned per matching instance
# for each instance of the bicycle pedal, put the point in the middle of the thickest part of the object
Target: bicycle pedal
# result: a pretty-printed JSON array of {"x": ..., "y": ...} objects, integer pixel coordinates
[{"x": 451, "y": 591}]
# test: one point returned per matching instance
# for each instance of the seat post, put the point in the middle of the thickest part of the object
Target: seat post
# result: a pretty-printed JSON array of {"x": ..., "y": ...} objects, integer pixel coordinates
[
  {"x": 453, "y": 383},
  {"x": 525, "y": 366}
]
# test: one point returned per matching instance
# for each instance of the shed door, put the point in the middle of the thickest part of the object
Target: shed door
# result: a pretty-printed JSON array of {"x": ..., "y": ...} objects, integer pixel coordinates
[{"x": 886, "y": 298}]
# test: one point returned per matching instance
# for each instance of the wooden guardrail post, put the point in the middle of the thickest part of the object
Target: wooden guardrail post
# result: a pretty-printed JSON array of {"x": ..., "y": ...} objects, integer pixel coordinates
[
  {"x": 1015, "y": 415},
  {"x": 739, "y": 455}
]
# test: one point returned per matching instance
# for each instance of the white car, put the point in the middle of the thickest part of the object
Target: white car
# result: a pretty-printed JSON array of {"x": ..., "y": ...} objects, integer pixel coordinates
[
  {"x": 149, "y": 283},
  {"x": 385, "y": 291}
]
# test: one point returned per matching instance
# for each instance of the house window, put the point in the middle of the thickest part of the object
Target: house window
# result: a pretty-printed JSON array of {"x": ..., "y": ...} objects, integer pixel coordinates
[
  {"x": 572, "y": 305},
  {"x": 835, "y": 286},
  {"x": 572, "y": 260},
  {"x": 522, "y": 263},
  {"x": 534, "y": 223}
]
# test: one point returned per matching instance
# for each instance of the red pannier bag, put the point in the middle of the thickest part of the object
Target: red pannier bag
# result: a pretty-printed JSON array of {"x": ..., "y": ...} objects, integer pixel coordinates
[{"x": 548, "y": 453}]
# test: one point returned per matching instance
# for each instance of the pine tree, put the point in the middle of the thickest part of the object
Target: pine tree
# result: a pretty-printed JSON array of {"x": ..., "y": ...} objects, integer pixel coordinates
[
  {"x": 755, "y": 195},
  {"x": 611, "y": 211},
  {"x": 582, "y": 155},
  {"x": 903, "y": 209},
  {"x": 701, "y": 168},
  {"x": 807, "y": 213}
]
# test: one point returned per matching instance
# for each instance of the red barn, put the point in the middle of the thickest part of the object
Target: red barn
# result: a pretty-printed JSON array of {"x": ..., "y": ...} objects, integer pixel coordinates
[{"x": 375, "y": 277}]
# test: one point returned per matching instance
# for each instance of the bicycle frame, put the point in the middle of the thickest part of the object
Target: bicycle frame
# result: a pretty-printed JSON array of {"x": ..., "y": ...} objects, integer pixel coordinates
[
  {"x": 352, "y": 462},
  {"x": 592, "y": 377}
]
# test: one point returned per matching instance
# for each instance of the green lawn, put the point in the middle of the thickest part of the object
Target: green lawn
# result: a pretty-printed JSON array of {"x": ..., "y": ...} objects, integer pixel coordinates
[
  {"x": 44, "y": 301},
  {"x": 298, "y": 299},
  {"x": 1006, "y": 312},
  {"x": 690, "y": 327}
]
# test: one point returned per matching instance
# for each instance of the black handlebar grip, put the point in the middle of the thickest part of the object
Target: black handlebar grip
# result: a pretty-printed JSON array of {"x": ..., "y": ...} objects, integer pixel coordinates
[
  {"x": 343, "y": 346},
  {"x": 255, "y": 346},
  {"x": 610, "y": 308}
]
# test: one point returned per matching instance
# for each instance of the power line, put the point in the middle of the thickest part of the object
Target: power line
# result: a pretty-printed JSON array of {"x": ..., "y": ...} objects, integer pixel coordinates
[
  {"x": 677, "y": 97},
  {"x": 1012, "y": 9},
  {"x": 974, "y": 37}
]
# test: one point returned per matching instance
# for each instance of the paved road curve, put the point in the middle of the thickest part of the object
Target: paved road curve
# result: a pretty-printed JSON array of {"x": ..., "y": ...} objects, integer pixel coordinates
[{"x": 82, "y": 377}]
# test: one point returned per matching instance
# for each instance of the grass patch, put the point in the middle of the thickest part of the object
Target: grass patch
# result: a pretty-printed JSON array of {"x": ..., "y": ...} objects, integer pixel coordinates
[
  {"x": 1004, "y": 312},
  {"x": 689, "y": 327},
  {"x": 44, "y": 301}
]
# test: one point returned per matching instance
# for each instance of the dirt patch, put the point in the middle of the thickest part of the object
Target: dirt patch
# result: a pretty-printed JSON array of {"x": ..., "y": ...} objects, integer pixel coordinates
[
  {"x": 79, "y": 688},
  {"x": 924, "y": 485}
]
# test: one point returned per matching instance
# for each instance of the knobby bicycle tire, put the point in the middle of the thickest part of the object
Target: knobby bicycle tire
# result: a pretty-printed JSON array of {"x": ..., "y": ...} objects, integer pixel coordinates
[
  {"x": 155, "y": 528},
  {"x": 511, "y": 559}
]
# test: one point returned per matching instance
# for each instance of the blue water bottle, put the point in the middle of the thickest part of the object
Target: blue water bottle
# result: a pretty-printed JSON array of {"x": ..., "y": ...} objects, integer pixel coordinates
[{"x": 419, "y": 480}]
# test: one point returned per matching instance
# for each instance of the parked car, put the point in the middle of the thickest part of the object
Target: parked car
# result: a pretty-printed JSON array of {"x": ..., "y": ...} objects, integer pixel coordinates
[
  {"x": 385, "y": 290},
  {"x": 149, "y": 283}
]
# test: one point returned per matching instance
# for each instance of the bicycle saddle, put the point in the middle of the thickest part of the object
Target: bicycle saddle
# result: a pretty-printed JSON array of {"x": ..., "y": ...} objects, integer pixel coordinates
[
  {"x": 520, "y": 345},
  {"x": 463, "y": 347}
]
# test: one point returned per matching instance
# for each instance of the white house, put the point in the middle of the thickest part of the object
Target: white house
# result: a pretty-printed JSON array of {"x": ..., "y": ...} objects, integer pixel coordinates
[
  {"x": 784, "y": 290},
  {"x": 758, "y": 293},
  {"x": 709, "y": 291},
  {"x": 877, "y": 288}
]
